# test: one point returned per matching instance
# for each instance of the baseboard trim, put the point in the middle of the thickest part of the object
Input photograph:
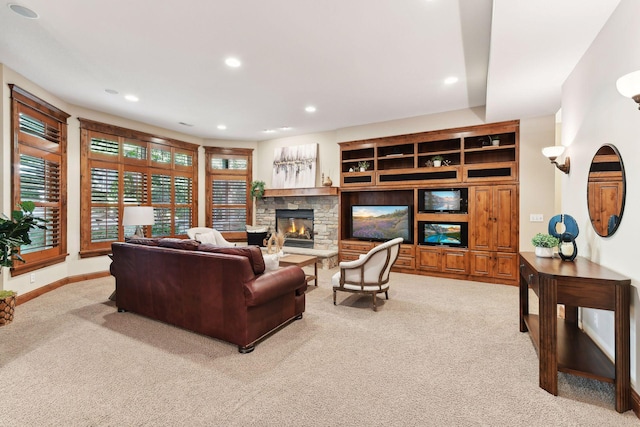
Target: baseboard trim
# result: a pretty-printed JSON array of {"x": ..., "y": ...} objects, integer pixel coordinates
[{"x": 59, "y": 283}]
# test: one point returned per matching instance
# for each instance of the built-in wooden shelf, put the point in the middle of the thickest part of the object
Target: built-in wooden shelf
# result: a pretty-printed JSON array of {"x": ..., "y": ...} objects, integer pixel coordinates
[{"x": 291, "y": 192}]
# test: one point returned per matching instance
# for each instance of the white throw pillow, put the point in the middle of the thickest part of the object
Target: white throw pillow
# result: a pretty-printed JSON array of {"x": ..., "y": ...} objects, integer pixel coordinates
[
  {"x": 271, "y": 262},
  {"x": 209, "y": 237}
]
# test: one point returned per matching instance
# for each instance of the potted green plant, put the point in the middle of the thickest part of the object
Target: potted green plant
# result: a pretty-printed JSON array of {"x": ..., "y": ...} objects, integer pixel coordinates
[
  {"x": 14, "y": 232},
  {"x": 437, "y": 161},
  {"x": 257, "y": 189},
  {"x": 544, "y": 244},
  {"x": 7, "y": 306},
  {"x": 364, "y": 165}
]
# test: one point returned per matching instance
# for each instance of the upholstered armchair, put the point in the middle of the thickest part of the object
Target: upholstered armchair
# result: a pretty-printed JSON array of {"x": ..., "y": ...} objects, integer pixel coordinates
[
  {"x": 370, "y": 273},
  {"x": 208, "y": 235}
]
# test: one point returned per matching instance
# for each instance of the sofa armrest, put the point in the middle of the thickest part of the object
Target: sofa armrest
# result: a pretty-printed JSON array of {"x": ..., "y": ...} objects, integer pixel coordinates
[{"x": 273, "y": 284}]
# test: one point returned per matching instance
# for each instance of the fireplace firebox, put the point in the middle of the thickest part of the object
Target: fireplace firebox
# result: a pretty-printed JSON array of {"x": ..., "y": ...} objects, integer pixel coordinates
[{"x": 297, "y": 226}]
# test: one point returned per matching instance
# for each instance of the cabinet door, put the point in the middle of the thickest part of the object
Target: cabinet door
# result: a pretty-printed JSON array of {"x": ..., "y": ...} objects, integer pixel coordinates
[
  {"x": 481, "y": 263},
  {"x": 506, "y": 265},
  {"x": 494, "y": 222},
  {"x": 505, "y": 218},
  {"x": 481, "y": 223},
  {"x": 455, "y": 261},
  {"x": 429, "y": 258}
]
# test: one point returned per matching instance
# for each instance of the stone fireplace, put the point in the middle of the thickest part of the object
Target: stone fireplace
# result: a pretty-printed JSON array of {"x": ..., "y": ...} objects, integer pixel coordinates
[
  {"x": 297, "y": 227},
  {"x": 324, "y": 231}
]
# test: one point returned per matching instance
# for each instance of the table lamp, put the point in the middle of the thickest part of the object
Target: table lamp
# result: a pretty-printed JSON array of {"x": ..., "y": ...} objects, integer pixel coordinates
[{"x": 138, "y": 216}]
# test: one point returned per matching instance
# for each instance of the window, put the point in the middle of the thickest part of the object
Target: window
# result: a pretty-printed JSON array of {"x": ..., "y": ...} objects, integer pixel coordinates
[
  {"x": 229, "y": 204},
  {"x": 122, "y": 167},
  {"x": 39, "y": 175}
]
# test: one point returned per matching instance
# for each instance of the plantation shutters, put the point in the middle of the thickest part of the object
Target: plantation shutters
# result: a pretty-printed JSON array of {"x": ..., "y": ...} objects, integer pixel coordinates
[
  {"x": 229, "y": 205},
  {"x": 122, "y": 167},
  {"x": 39, "y": 175}
]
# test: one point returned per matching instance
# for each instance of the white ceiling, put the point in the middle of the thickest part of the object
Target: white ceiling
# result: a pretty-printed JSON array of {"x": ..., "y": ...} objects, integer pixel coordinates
[{"x": 357, "y": 61}]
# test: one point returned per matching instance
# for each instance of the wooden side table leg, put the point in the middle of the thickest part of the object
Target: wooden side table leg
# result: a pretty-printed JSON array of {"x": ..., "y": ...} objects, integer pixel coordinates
[
  {"x": 548, "y": 334},
  {"x": 622, "y": 350},
  {"x": 315, "y": 271}
]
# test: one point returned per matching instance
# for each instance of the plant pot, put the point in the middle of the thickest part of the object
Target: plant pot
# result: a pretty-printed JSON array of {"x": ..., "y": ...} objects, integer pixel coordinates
[
  {"x": 437, "y": 163},
  {"x": 544, "y": 252},
  {"x": 363, "y": 170},
  {"x": 7, "y": 307}
]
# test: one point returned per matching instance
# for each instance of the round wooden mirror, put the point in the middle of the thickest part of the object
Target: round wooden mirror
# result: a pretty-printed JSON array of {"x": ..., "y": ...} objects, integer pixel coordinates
[{"x": 606, "y": 190}]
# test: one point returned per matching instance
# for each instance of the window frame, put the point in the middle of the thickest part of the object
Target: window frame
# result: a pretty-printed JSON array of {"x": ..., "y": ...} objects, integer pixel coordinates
[
  {"x": 49, "y": 151},
  {"x": 229, "y": 174},
  {"x": 147, "y": 167}
]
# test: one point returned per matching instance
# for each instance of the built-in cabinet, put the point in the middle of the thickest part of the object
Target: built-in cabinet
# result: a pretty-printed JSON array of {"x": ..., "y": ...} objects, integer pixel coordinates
[{"x": 482, "y": 160}]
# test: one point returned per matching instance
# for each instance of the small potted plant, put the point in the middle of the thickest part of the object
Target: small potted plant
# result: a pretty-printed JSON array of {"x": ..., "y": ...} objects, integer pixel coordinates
[
  {"x": 7, "y": 306},
  {"x": 437, "y": 161},
  {"x": 257, "y": 189},
  {"x": 544, "y": 244},
  {"x": 363, "y": 166}
]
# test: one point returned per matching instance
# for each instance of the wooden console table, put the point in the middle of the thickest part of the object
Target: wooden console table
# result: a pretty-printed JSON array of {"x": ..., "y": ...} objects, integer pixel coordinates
[{"x": 561, "y": 345}]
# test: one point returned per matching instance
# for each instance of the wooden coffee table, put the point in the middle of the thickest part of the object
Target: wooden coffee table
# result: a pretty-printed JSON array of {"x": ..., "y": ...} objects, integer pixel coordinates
[{"x": 302, "y": 261}]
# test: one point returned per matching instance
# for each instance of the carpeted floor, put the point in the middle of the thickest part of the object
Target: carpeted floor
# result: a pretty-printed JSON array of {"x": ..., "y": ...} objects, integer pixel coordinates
[{"x": 439, "y": 352}]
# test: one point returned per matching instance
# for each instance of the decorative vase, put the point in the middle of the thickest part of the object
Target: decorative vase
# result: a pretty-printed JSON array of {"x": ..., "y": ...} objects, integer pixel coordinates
[
  {"x": 7, "y": 307},
  {"x": 437, "y": 163},
  {"x": 327, "y": 182},
  {"x": 544, "y": 252}
]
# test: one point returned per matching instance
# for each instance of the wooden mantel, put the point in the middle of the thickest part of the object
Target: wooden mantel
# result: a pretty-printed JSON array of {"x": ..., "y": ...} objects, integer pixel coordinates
[{"x": 291, "y": 192}]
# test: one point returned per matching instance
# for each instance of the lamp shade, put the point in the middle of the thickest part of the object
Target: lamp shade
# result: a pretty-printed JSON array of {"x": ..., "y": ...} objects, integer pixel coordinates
[
  {"x": 138, "y": 215},
  {"x": 629, "y": 84},
  {"x": 553, "y": 151}
]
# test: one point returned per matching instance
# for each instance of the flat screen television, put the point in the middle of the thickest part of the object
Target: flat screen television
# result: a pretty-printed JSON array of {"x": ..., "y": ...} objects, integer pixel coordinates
[
  {"x": 443, "y": 233},
  {"x": 451, "y": 200},
  {"x": 381, "y": 222}
]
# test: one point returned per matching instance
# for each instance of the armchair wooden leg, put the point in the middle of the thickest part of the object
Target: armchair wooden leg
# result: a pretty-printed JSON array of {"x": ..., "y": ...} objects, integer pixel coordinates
[
  {"x": 386, "y": 294},
  {"x": 375, "y": 307},
  {"x": 334, "y": 297}
]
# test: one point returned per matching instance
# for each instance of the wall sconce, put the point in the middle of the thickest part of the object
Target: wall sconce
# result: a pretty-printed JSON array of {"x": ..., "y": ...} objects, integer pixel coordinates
[
  {"x": 138, "y": 216},
  {"x": 629, "y": 86},
  {"x": 552, "y": 153}
]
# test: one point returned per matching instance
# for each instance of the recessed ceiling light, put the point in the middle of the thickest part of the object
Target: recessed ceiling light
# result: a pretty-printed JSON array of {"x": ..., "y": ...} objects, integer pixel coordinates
[
  {"x": 222, "y": 127},
  {"x": 131, "y": 98},
  {"x": 450, "y": 80},
  {"x": 25, "y": 12},
  {"x": 111, "y": 91},
  {"x": 285, "y": 128},
  {"x": 269, "y": 131},
  {"x": 310, "y": 109},
  {"x": 233, "y": 62}
]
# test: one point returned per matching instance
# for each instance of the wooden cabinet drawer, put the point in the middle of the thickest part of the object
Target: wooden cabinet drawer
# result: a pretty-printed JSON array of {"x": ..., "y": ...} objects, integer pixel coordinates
[
  {"x": 355, "y": 245},
  {"x": 405, "y": 262}
]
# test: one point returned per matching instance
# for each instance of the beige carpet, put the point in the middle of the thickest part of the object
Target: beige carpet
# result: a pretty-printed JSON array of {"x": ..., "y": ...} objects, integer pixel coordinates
[{"x": 439, "y": 352}]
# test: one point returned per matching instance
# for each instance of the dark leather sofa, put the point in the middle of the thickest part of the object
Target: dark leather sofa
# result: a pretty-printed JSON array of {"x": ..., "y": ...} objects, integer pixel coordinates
[{"x": 222, "y": 292}]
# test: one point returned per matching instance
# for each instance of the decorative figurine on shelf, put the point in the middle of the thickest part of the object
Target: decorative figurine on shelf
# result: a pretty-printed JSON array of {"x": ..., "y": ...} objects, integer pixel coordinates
[
  {"x": 565, "y": 228},
  {"x": 446, "y": 162},
  {"x": 351, "y": 169},
  {"x": 326, "y": 181},
  {"x": 428, "y": 164}
]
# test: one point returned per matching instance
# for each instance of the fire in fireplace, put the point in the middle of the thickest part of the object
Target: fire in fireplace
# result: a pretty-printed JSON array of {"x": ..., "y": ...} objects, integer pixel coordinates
[{"x": 296, "y": 225}]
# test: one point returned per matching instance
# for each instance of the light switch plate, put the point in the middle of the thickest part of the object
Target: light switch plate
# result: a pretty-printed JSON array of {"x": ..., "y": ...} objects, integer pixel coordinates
[{"x": 536, "y": 218}]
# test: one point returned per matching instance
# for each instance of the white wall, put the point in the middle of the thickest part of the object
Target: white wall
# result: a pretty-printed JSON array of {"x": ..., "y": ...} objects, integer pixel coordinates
[{"x": 594, "y": 113}]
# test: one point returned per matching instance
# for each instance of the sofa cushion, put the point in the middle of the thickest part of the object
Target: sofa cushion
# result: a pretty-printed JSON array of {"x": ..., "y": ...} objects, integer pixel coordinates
[
  {"x": 185, "y": 244},
  {"x": 252, "y": 252},
  {"x": 146, "y": 241},
  {"x": 271, "y": 262}
]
